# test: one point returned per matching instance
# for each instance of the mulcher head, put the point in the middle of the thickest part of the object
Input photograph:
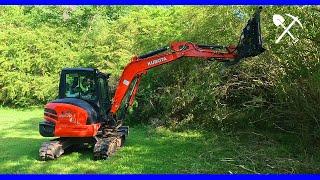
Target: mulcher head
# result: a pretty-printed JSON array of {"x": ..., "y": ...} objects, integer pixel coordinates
[{"x": 250, "y": 43}]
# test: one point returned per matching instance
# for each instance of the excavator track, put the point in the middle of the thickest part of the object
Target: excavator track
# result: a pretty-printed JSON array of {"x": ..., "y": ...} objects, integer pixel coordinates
[
  {"x": 106, "y": 144},
  {"x": 106, "y": 147},
  {"x": 55, "y": 148},
  {"x": 50, "y": 150}
]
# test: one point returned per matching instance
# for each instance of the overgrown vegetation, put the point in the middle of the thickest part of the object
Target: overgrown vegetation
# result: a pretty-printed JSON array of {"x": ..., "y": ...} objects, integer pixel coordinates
[{"x": 279, "y": 91}]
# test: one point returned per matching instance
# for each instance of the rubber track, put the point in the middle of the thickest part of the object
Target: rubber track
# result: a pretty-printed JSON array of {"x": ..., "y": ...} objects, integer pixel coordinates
[
  {"x": 105, "y": 147},
  {"x": 50, "y": 150}
]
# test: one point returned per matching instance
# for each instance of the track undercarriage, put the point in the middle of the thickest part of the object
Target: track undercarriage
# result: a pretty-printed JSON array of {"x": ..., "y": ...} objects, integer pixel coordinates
[{"x": 105, "y": 143}]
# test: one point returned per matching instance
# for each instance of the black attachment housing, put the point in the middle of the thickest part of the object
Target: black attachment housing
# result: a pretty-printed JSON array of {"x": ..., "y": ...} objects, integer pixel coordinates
[{"x": 250, "y": 43}]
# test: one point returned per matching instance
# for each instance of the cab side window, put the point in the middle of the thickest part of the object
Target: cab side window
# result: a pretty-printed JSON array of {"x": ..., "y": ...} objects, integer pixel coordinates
[{"x": 72, "y": 85}]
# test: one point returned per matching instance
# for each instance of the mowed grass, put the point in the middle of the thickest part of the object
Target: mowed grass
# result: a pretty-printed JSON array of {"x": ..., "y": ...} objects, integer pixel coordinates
[{"x": 155, "y": 150}]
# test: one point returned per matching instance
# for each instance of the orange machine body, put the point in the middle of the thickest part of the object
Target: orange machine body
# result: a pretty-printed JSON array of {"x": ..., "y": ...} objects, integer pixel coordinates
[{"x": 69, "y": 120}]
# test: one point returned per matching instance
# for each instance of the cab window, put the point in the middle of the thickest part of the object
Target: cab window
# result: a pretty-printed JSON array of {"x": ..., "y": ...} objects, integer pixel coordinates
[{"x": 80, "y": 86}]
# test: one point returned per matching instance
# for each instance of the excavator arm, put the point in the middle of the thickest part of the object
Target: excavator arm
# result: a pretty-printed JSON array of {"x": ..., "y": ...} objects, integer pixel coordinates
[
  {"x": 138, "y": 66},
  {"x": 250, "y": 44}
]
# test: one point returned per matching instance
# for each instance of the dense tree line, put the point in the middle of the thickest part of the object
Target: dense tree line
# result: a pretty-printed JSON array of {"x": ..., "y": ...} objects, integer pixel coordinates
[{"x": 278, "y": 90}]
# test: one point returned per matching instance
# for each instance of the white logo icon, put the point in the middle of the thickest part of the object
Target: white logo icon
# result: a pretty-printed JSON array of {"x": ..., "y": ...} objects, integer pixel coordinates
[
  {"x": 126, "y": 82},
  {"x": 278, "y": 20}
]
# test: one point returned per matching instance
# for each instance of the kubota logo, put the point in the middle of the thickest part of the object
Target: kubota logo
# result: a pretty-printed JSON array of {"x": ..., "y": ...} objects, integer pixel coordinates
[
  {"x": 67, "y": 115},
  {"x": 156, "y": 61}
]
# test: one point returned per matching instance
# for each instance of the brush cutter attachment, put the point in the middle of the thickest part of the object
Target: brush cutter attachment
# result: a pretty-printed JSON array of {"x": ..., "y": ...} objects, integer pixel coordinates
[{"x": 250, "y": 43}]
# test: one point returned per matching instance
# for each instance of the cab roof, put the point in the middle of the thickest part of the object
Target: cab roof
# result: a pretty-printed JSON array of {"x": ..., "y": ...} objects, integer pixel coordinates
[
  {"x": 91, "y": 70},
  {"x": 80, "y": 69}
]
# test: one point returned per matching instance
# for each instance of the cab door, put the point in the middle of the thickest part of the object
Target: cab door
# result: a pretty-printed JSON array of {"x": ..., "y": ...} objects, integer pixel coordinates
[{"x": 104, "y": 99}]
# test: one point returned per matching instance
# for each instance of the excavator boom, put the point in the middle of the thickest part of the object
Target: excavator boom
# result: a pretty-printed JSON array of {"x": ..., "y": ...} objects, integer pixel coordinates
[{"x": 250, "y": 45}]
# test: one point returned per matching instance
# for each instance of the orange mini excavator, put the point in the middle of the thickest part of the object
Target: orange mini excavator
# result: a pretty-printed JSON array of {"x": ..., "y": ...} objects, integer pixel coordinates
[{"x": 84, "y": 113}]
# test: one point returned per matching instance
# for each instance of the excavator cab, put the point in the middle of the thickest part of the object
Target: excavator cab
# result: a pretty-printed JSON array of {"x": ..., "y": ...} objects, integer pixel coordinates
[{"x": 86, "y": 84}]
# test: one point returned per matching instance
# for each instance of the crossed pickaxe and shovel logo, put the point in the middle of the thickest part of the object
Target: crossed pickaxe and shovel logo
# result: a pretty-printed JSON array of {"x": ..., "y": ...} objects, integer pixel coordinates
[{"x": 278, "y": 20}]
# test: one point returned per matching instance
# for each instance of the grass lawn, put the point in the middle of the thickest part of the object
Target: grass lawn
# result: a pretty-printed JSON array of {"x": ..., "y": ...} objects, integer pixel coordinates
[{"x": 156, "y": 150}]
